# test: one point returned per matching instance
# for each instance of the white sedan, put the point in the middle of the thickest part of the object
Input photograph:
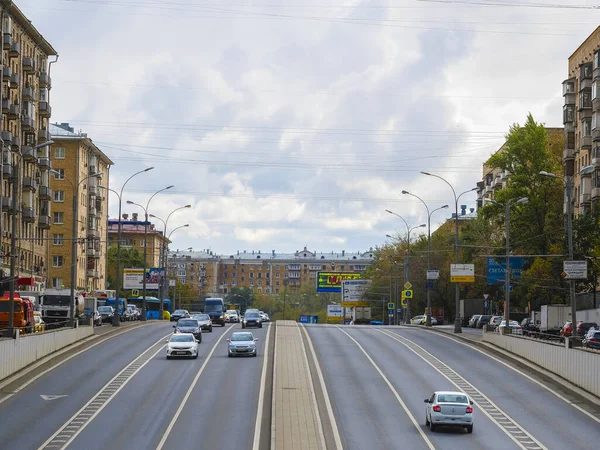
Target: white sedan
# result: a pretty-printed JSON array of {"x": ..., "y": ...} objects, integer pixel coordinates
[
  {"x": 447, "y": 408},
  {"x": 182, "y": 344},
  {"x": 514, "y": 326}
]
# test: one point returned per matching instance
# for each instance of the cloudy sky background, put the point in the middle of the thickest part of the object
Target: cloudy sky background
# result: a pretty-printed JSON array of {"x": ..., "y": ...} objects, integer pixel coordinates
[{"x": 292, "y": 123}]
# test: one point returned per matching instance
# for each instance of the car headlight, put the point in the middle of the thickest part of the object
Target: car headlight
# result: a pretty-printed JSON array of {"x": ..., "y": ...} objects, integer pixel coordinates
[
  {"x": 197, "y": 330},
  {"x": 221, "y": 316}
]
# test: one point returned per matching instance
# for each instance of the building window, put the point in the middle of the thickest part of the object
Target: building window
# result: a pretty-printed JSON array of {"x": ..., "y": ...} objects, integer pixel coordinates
[
  {"x": 57, "y": 282},
  {"x": 251, "y": 266},
  {"x": 59, "y": 218},
  {"x": 59, "y": 174},
  {"x": 59, "y": 152},
  {"x": 59, "y": 196},
  {"x": 278, "y": 267},
  {"x": 57, "y": 261},
  {"x": 259, "y": 283},
  {"x": 277, "y": 275},
  {"x": 586, "y": 127},
  {"x": 277, "y": 284},
  {"x": 142, "y": 243},
  {"x": 58, "y": 239},
  {"x": 181, "y": 273},
  {"x": 251, "y": 274},
  {"x": 251, "y": 283}
]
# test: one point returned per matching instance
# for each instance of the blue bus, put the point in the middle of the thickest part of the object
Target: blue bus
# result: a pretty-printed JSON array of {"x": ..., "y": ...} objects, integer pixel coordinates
[
  {"x": 153, "y": 305},
  {"x": 111, "y": 302}
]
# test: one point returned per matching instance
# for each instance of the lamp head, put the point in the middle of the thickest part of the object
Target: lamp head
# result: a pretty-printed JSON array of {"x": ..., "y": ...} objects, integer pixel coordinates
[
  {"x": 388, "y": 211},
  {"x": 153, "y": 216},
  {"x": 523, "y": 200},
  {"x": 425, "y": 173},
  {"x": 129, "y": 202},
  {"x": 547, "y": 174},
  {"x": 169, "y": 187},
  {"x": 148, "y": 169},
  {"x": 187, "y": 206},
  {"x": 405, "y": 192},
  {"x": 388, "y": 236},
  {"x": 444, "y": 207},
  {"x": 44, "y": 144},
  {"x": 422, "y": 225}
]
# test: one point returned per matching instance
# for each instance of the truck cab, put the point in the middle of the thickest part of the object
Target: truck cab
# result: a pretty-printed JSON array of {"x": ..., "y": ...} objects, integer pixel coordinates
[{"x": 23, "y": 313}]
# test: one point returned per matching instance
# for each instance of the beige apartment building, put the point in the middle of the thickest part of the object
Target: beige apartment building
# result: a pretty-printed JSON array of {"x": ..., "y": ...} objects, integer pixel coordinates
[
  {"x": 581, "y": 117},
  {"x": 80, "y": 170},
  {"x": 24, "y": 177},
  {"x": 216, "y": 275}
]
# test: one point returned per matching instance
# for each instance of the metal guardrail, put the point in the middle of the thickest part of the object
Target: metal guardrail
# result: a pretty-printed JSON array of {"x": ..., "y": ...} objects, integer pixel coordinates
[{"x": 51, "y": 326}]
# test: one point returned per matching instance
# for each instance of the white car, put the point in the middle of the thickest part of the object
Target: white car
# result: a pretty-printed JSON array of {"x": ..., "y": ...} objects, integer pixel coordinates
[
  {"x": 264, "y": 316},
  {"x": 514, "y": 326},
  {"x": 182, "y": 344},
  {"x": 231, "y": 316},
  {"x": 447, "y": 408}
]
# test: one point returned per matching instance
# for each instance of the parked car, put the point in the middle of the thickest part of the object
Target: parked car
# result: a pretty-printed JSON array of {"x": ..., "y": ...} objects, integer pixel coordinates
[
  {"x": 204, "y": 321},
  {"x": 473, "y": 320},
  {"x": 584, "y": 327},
  {"x": 483, "y": 320},
  {"x": 189, "y": 326},
  {"x": 107, "y": 313},
  {"x": 242, "y": 344},
  {"x": 133, "y": 313},
  {"x": 514, "y": 326},
  {"x": 89, "y": 314},
  {"x": 179, "y": 314},
  {"x": 494, "y": 322},
  {"x": 452, "y": 409},
  {"x": 422, "y": 320},
  {"x": 182, "y": 344},
  {"x": 529, "y": 327},
  {"x": 592, "y": 340}
]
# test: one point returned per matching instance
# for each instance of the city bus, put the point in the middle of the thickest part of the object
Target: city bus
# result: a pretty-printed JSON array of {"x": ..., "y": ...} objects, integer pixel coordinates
[{"x": 153, "y": 305}]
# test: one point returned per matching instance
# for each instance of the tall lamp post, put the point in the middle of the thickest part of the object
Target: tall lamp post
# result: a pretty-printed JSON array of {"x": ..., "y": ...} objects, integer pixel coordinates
[
  {"x": 507, "y": 206},
  {"x": 144, "y": 306},
  {"x": 166, "y": 260},
  {"x": 427, "y": 285},
  {"x": 116, "y": 322},
  {"x": 9, "y": 332},
  {"x": 74, "y": 233},
  {"x": 457, "y": 319}
]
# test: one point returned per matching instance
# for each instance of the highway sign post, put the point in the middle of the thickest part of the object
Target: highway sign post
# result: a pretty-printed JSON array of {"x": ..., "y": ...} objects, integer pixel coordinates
[
  {"x": 433, "y": 275},
  {"x": 575, "y": 270},
  {"x": 462, "y": 273}
]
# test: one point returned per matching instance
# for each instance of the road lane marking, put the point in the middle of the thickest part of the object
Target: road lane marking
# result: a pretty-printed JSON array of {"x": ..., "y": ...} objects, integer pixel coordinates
[
  {"x": 189, "y": 391},
  {"x": 29, "y": 369},
  {"x": 261, "y": 394},
  {"x": 336, "y": 432},
  {"x": 529, "y": 377},
  {"x": 84, "y": 416},
  {"x": 391, "y": 386},
  {"x": 484, "y": 403}
]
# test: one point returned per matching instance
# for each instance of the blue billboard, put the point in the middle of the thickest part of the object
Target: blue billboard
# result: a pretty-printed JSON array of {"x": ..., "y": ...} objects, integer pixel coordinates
[{"x": 496, "y": 270}]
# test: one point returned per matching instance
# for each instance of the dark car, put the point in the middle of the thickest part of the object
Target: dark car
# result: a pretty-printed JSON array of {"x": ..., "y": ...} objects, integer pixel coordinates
[
  {"x": 179, "y": 314},
  {"x": 189, "y": 326},
  {"x": 252, "y": 319},
  {"x": 88, "y": 315},
  {"x": 204, "y": 321},
  {"x": 483, "y": 320},
  {"x": 584, "y": 327},
  {"x": 529, "y": 327},
  {"x": 592, "y": 340},
  {"x": 107, "y": 313}
]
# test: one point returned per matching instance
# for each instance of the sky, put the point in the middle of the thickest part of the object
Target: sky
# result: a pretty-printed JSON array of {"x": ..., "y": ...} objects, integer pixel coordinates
[{"x": 296, "y": 123}]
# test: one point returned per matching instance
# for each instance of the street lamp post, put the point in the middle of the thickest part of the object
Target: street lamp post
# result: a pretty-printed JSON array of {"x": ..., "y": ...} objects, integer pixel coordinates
[
  {"x": 427, "y": 284},
  {"x": 144, "y": 306},
  {"x": 457, "y": 319},
  {"x": 13, "y": 246},
  {"x": 116, "y": 322},
  {"x": 161, "y": 309}
]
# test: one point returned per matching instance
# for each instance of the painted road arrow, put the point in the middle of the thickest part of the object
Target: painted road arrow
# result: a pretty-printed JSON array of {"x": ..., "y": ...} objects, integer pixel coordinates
[{"x": 52, "y": 397}]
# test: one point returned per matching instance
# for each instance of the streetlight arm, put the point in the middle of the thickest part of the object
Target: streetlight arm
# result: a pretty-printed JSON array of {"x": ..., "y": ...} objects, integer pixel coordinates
[
  {"x": 155, "y": 194},
  {"x": 137, "y": 173}
]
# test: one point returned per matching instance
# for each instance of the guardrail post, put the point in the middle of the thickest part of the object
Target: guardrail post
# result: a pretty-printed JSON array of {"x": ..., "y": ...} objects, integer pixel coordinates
[{"x": 17, "y": 333}]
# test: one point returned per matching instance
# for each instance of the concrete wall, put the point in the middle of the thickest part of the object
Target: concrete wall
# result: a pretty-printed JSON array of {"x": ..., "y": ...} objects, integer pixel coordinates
[
  {"x": 15, "y": 354},
  {"x": 580, "y": 367}
]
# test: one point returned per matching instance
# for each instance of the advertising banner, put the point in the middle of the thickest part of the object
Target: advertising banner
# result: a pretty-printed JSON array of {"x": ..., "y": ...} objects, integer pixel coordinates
[
  {"x": 496, "y": 270},
  {"x": 332, "y": 281},
  {"x": 133, "y": 278}
]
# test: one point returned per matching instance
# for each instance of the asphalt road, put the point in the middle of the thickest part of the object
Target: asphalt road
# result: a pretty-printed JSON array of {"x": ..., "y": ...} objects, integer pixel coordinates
[
  {"x": 220, "y": 411},
  {"x": 370, "y": 415}
]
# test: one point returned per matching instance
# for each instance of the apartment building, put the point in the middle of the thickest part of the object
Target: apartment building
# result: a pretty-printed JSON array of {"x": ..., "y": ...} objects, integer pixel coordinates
[
  {"x": 581, "y": 117},
  {"x": 261, "y": 272},
  {"x": 80, "y": 170},
  {"x": 24, "y": 128},
  {"x": 132, "y": 236}
]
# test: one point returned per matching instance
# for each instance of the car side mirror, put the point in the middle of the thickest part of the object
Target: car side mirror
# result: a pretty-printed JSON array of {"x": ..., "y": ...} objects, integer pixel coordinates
[
  {"x": 255, "y": 339},
  {"x": 426, "y": 400},
  {"x": 228, "y": 340},
  {"x": 174, "y": 326},
  {"x": 166, "y": 342},
  {"x": 471, "y": 402}
]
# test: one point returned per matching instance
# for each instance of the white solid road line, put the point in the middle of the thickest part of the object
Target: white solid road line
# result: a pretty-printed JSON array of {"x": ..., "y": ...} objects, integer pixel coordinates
[
  {"x": 72, "y": 434},
  {"x": 508, "y": 426},
  {"x": 29, "y": 369},
  {"x": 336, "y": 432},
  {"x": 261, "y": 394},
  {"x": 189, "y": 391},
  {"x": 530, "y": 378},
  {"x": 391, "y": 386}
]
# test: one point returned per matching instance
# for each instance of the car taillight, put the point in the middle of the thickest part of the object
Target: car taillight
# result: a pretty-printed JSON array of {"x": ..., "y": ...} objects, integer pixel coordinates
[
  {"x": 437, "y": 408},
  {"x": 469, "y": 410},
  {"x": 593, "y": 340}
]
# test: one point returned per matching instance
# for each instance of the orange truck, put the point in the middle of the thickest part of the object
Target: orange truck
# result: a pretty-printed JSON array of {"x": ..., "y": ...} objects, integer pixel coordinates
[{"x": 23, "y": 313}]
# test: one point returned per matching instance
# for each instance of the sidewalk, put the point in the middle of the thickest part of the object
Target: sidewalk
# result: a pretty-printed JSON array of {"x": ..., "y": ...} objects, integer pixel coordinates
[{"x": 295, "y": 423}]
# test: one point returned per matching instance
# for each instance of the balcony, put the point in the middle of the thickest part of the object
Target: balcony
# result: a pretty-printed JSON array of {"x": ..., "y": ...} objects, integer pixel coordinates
[
  {"x": 13, "y": 112},
  {"x": 8, "y": 41},
  {"x": 45, "y": 109},
  {"x": 92, "y": 252},
  {"x": 568, "y": 114},
  {"x": 43, "y": 135},
  {"x": 27, "y": 124},
  {"x": 6, "y": 105},
  {"x": 596, "y": 193},
  {"x": 28, "y": 153},
  {"x": 6, "y": 136},
  {"x": 91, "y": 210},
  {"x": 44, "y": 222},
  {"x": 92, "y": 170},
  {"x": 44, "y": 163},
  {"x": 596, "y": 104},
  {"x": 45, "y": 193},
  {"x": 7, "y": 204},
  {"x": 28, "y": 65},
  {"x": 7, "y": 170},
  {"x": 29, "y": 184},
  {"x": 92, "y": 190},
  {"x": 93, "y": 233},
  {"x": 585, "y": 113},
  {"x": 568, "y": 153},
  {"x": 15, "y": 81},
  {"x": 28, "y": 214},
  {"x": 15, "y": 50},
  {"x": 586, "y": 141},
  {"x": 45, "y": 80},
  {"x": 585, "y": 83},
  {"x": 596, "y": 135},
  {"x": 28, "y": 94},
  {"x": 92, "y": 273},
  {"x": 15, "y": 142},
  {"x": 585, "y": 198},
  {"x": 6, "y": 73}
]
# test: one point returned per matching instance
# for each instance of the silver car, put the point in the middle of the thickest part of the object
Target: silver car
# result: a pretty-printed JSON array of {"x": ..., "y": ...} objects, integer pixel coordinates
[
  {"x": 182, "y": 344},
  {"x": 242, "y": 343},
  {"x": 473, "y": 320},
  {"x": 447, "y": 408}
]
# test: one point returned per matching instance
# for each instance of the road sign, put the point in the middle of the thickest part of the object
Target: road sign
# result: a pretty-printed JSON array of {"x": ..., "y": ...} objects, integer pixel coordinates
[
  {"x": 575, "y": 270},
  {"x": 352, "y": 304},
  {"x": 485, "y": 296},
  {"x": 335, "y": 311},
  {"x": 433, "y": 275},
  {"x": 391, "y": 313},
  {"x": 407, "y": 294},
  {"x": 172, "y": 283},
  {"x": 429, "y": 285},
  {"x": 404, "y": 302},
  {"x": 486, "y": 304},
  {"x": 353, "y": 290},
  {"x": 135, "y": 292},
  {"x": 407, "y": 285},
  {"x": 462, "y": 273},
  {"x": 390, "y": 305}
]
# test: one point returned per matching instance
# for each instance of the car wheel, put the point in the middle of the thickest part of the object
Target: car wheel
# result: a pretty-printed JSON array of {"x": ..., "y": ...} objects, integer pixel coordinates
[
  {"x": 470, "y": 429},
  {"x": 243, "y": 326},
  {"x": 260, "y": 326},
  {"x": 426, "y": 421},
  {"x": 229, "y": 354},
  {"x": 210, "y": 330},
  {"x": 254, "y": 355},
  {"x": 223, "y": 324},
  {"x": 168, "y": 357},
  {"x": 432, "y": 427}
]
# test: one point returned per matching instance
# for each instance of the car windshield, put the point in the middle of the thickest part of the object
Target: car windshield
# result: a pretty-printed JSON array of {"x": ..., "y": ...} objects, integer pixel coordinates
[
  {"x": 180, "y": 312},
  {"x": 452, "y": 398},
  {"x": 201, "y": 317},
  {"x": 242, "y": 337},
  {"x": 229, "y": 311},
  {"x": 187, "y": 323},
  {"x": 182, "y": 338},
  {"x": 251, "y": 315},
  {"x": 105, "y": 309}
]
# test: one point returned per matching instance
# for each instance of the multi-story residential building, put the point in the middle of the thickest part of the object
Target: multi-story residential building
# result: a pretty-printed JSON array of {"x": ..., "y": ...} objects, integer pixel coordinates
[
  {"x": 261, "y": 272},
  {"x": 132, "y": 236},
  {"x": 80, "y": 171},
  {"x": 24, "y": 126},
  {"x": 581, "y": 117}
]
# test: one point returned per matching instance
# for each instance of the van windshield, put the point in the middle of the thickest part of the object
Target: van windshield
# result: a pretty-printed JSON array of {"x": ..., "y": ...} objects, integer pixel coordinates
[{"x": 213, "y": 307}]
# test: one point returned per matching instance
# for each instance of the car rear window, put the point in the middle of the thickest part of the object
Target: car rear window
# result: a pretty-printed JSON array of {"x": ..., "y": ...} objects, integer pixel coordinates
[{"x": 449, "y": 398}]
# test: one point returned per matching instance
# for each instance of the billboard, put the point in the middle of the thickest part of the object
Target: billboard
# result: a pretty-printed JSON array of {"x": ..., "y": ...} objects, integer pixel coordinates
[
  {"x": 332, "y": 281},
  {"x": 496, "y": 270},
  {"x": 133, "y": 278}
]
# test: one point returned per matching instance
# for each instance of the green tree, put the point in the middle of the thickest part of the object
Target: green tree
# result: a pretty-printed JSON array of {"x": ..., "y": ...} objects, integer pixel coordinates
[
  {"x": 182, "y": 295},
  {"x": 131, "y": 258}
]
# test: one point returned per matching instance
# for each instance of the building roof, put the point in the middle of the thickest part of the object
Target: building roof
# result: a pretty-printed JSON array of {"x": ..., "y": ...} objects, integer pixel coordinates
[
  {"x": 594, "y": 33},
  {"x": 64, "y": 131},
  {"x": 302, "y": 255},
  {"x": 24, "y": 22}
]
